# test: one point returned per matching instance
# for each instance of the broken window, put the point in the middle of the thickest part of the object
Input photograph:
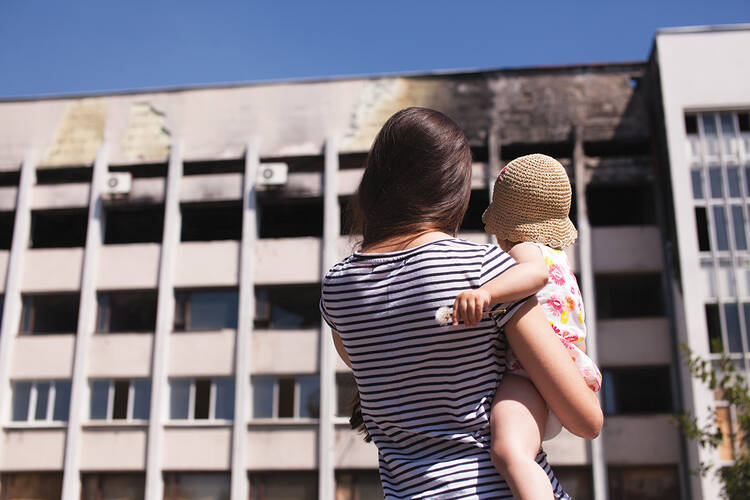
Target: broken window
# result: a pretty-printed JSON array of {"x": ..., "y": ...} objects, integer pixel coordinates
[
  {"x": 287, "y": 306},
  {"x": 197, "y": 486},
  {"x": 134, "y": 224},
  {"x": 300, "y": 485},
  {"x": 50, "y": 313},
  {"x": 636, "y": 390},
  {"x": 7, "y": 222},
  {"x": 131, "y": 311},
  {"x": 59, "y": 228},
  {"x": 41, "y": 400},
  {"x": 478, "y": 202},
  {"x": 205, "y": 310},
  {"x": 620, "y": 205},
  {"x": 128, "y": 399},
  {"x": 212, "y": 221},
  {"x": 31, "y": 485},
  {"x": 201, "y": 398},
  {"x": 286, "y": 396},
  {"x": 113, "y": 486},
  {"x": 289, "y": 217},
  {"x": 629, "y": 296},
  {"x": 63, "y": 175}
]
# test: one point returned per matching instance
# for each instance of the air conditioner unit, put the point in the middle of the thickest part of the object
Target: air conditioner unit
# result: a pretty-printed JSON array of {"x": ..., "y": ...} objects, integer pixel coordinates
[
  {"x": 272, "y": 174},
  {"x": 118, "y": 182}
]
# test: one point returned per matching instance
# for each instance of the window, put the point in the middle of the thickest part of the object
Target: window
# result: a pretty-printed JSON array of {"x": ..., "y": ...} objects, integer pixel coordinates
[
  {"x": 359, "y": 485},
  {"x": 50, "y": 313},
  {"x": 41, "y": 400},
  {"x": 120, "y": 399},
  {"x": 201, "y": 399},
  {"x": 7, "y": 222},
  {"x": 112, "y": 486},
  {"x": 212, "y": 221},
  {"x": 63, "y": 175},
  {"x": 636, "y": 390},
  {"x": 142, "y": 170},
  {"x": 127, "y": 311},
  {"x": 213, "y": 167},
  {"x": 58, "y": 228},
  {"x": 621, "y": 205},
  {"x": 287, "y": 306},
  {"x": 36, "y": 485},
  {"x": 653, "y": 482},
  {"x": 140, "y": 224},
  {"x": 286, "y": 396},
  {"x": 576, "y": 481},
  {"x": 196, "y": 486},
  {"x": 478, "y": 202},
  {"x": 629, "y": 296},
  {"x": 205, "y": 310},
  {"x": 728, "y": 314},
  {"x": 346, "y": 388},
  {"x": 284, "y": 217},
  {"x": 10, "y": 178},
  {"x": 286, "y": 485}
]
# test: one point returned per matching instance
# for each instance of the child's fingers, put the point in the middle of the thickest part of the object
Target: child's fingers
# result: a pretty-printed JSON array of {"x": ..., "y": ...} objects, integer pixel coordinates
[
  {"x": 456, "y": 311},
  {"x": 478, "y": 311},
  {"x": 470, "y": 313}
]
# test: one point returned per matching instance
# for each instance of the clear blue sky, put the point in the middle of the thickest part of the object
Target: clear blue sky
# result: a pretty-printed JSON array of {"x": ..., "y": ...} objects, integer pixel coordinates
[{"x": 75, "y": 46}]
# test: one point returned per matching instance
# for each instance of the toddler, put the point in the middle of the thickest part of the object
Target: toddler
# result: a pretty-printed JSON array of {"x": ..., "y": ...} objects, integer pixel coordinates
[{"x": 529, "y": 216}]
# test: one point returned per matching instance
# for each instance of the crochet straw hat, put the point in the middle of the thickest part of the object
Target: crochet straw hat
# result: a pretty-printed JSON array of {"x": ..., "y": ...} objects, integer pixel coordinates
[{"x": 531, "y": 202}]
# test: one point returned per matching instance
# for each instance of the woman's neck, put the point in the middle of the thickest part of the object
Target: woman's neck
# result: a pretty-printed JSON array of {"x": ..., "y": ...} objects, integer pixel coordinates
[{"x": 406, "y": 242}]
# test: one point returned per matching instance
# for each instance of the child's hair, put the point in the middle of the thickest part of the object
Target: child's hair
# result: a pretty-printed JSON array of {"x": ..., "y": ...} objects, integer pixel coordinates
[
  {"x": 531, "y": 202},
  {"x": 417, "y": 177}
]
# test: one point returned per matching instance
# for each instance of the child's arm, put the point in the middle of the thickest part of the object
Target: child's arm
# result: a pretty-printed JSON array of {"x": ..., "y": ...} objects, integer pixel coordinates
[{"x": 518, "y": 282}]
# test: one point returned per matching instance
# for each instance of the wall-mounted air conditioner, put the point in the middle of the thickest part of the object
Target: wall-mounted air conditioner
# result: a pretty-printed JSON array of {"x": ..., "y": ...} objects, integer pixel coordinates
[
  {"x": 118, "y": 182},
  {"x": 272, "y": 174}
]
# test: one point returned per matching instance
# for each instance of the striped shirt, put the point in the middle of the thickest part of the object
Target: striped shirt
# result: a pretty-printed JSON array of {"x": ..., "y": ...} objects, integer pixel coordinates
[{"x": 425, "y": 389}]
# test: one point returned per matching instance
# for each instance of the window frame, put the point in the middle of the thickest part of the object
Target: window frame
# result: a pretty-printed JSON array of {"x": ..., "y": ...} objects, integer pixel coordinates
[
  {"x": 108, "y": 419},
  {"x": 191, "y": 420},
  {"x": 104, "y": 312},
  {"x": 181, "y": 323},
  {"x": 29, "y": 311},
  {"x": 48, "y": 420},
  {"x": 296, "y": 418}
]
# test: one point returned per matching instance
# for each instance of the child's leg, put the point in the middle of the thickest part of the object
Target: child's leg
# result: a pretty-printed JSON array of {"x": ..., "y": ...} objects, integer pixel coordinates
[{"x": 517, "y": 425}]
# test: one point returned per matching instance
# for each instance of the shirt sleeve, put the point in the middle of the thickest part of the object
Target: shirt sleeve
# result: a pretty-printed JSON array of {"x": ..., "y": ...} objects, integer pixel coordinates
[
  {"x": 495, "y": 263},
  {"x": 325, "y": 315}
]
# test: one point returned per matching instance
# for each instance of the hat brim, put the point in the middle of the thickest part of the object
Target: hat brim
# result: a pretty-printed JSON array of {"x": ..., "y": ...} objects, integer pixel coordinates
[{"x": 555, "y": 233}]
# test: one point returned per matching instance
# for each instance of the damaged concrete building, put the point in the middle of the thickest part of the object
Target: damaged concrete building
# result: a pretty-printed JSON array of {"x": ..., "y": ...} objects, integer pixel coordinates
[{"x": 157, "y": 343}]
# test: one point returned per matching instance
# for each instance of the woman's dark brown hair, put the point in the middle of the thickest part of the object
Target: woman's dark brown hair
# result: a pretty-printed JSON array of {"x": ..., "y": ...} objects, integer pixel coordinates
[{"x": 417, "y": 177}]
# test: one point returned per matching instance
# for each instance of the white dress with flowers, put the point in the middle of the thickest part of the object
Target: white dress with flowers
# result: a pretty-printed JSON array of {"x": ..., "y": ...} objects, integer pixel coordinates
[{"x": 562, "y": 303}]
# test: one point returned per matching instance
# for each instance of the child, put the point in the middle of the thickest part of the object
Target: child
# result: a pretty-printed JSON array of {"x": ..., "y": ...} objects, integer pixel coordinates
[{"x": 529, "y": 216}]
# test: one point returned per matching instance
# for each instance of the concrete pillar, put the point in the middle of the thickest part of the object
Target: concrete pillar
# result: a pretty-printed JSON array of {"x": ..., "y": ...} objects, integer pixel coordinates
[
  {"x": 331, "y": 230},
  {"x": 164, "y": 321},
  {"x": 586, "y": 266},
  {"x": 493, "y": 165},
  {"x": 12, "y": 299},
  {"x": 86, "y": 324},
  {"x": 244, "y": 325}
]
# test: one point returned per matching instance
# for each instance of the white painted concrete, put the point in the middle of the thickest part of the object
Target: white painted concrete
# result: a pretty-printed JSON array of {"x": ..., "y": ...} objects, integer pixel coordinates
[
  {"x": 567, "y": 449},
  {"x": 21, "y": 449},
  {"x": 126, "y": 355},
  {"x": 197, "y": 448},
  {"x": 49, "y": 196},
  {"x": 287, "y": 260},
  {"x": 282, "y": 447},
  {"x": 351, "y": 451},
  {"x": 129, "y": 266},
  {"x": 652, "y": 439},
  {"x": 284, "y": 352},
  {"x": 8, "y": 198},
  {"x": 43, "y": 356},
  {"x": 634, "y": 341},
  {"x": 211, "y": 187},
  {"x": 42, "y": 271},
  {"x": 207, "y": 263},
  {"x": 201, "y": 353},
  {"x": 113, "y": 448},
  {"x": 626, "y": 249}
]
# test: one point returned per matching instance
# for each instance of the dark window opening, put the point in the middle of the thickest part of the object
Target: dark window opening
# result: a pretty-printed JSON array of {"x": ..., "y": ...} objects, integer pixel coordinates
[
  {"x": 197, "y": 485},
  {"x": 142, "y": 170},
  {"x": 63, "y": 175},
  {"x": 36, "y": 485},
  {"x": 629, "y": 296},
  {"x": 478, "y": 202},
  {"x": 142, "y": 224},
  {"x": 620, "y": 205},
  {"x": 577, "y": 480},
  {"x": 744, "y": 119},
  {"x": 313, "y": 163},
  {"x": 110, "y": 486},
  {"x": 286, "y": 397},
  {"x": 7, "y": 223},
  {"x": 556, "y": 150},
  {"x": 637, "y": 390},
  {"x": 213, "y": 167},
  {"x": 480, "y": 154},
  {"x": 646, "y": 482},
  {"x": 287, "y": 306},
  {"x": 50, "y": 313},
  {"x": 212, "y": 221},
  {"x": 197, "y": 310},
  {"x": 202, "y": 398},
  {"x": 120, "y": 403},
  {"x": 288, "y": 218},
  {"x": 617, "y": 148},
  {"x": 364, "y": 485},
  {"x": 10, "y": 178},
  {"x": 713, "y": 325},
  {"x": 58, "y": 228},
  {"x": 701, "y": 221},
  {"x": 691, "y": 124},
  {"x": 127, "y": 311},
  {"x": 352, "y": 160}
]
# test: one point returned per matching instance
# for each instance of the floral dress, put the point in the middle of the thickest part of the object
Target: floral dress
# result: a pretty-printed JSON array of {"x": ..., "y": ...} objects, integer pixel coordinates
[{"x": 562, "y": 303}]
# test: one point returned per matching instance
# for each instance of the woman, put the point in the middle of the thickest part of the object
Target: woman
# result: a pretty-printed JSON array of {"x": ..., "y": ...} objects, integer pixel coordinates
[{"x": 426, "y": 388}]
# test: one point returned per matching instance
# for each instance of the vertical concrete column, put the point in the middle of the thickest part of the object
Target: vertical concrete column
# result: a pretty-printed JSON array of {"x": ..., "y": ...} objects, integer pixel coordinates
[
  {"x": 586, "y": 262},
  {"x": 12, "y": 300},
  {"x": 244, "y": 325},
  {"x": 86, "y": 323},
  {"x": 164, "y": 322},
  {"x": 493, "y": 165},
  {"x": 331, "y": 230}
]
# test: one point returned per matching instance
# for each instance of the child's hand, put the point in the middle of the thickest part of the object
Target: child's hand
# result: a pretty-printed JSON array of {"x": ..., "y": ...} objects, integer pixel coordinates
[{"x": 469, "y": 305}]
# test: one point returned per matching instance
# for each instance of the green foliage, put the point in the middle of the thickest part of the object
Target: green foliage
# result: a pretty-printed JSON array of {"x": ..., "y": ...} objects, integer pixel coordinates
[{"x": 722, "y": 375}]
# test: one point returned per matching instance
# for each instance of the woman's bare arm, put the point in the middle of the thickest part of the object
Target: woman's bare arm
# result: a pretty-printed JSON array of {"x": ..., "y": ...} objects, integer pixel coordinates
[
  {"x": 554, "y": 374},
  {"x": 339, "y": 345}
]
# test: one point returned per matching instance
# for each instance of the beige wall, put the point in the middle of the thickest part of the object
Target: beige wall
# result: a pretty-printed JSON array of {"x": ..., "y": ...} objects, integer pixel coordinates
[
  {"x": 112, "y": 448},
  {"x": 201, "y": 353},
  {"x": 115, "y": 355},
  {"x": 42, "y": 357},
  {"x": 33, "y": 449},
  {"x": 204, "y": 448}
]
